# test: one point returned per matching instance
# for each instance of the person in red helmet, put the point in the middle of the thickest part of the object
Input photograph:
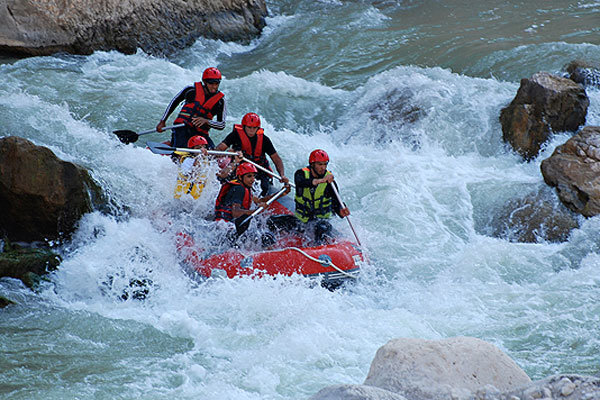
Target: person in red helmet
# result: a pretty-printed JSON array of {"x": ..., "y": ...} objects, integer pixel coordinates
[
  {"x": 235, "y": 198},
  {"x": 202, "y": 103},
  {"x": 249, "y": 138},
  {"x": 194, "y": 168},
  {"x": 315, "y": 200}
]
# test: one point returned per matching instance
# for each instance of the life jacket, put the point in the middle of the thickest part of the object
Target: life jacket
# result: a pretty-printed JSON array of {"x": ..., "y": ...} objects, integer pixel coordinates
[
  {"x": 199, "y": 108},
  {"x": 223, "y": 211},
  {"x": 191, "y": 178},
  {"x": 312, "y": 203},
  {"x": 257, "y": 155}
]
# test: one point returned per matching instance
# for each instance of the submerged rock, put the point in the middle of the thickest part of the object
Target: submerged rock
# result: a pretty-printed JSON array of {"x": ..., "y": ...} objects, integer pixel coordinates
[
  {"x": 534, "y": 218},
  {"x": 41, "y": 197},
  {"x": 544, "y": 104},
  {"x": 574, "y": 170},
  {"x": 4, "y": 302},
  {"x": 584, "y": 73},
  {"x": 33, "y": 27},
  {"x": 27, "y": 263}
]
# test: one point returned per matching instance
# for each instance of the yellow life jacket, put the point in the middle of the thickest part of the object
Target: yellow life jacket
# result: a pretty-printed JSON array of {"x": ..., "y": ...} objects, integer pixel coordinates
[
  {"x": 192, "y": 177},
  {"x": 312, "y": 203}
]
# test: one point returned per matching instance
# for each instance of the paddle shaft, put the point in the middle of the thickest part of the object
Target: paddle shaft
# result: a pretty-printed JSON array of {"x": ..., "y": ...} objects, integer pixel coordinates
[
  {"x": 347, "y": 216},
  {"x": 261, "y": 208},
  {"x": 166, "y": 127}
]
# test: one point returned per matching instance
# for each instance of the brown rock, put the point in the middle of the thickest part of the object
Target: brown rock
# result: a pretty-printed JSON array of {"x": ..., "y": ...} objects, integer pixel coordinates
[
  {"x": 545, "y": 103},
  {"x": 534, "y": 218},
  {"x": 41, "y": 197},
  {"x": 584, "y": 73},
  {"x": 42, "y": 27},
  {"x": 574, "y": 170}
]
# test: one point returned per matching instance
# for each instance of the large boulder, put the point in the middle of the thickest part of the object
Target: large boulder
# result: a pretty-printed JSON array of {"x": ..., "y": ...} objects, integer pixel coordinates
[
  {"x": 41, "y": 197},
  {"x": 544, "y": 104},
  {"x": 574, "y": 170},
  {"x": 42, "y": 27},
  {"x": 422, "y": 369}
]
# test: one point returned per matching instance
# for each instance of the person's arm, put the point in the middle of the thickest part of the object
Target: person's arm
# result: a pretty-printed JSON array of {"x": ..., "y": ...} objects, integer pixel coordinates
[
  {"x": 279, "y": 166},
  {"x": 335, "y": 203},
  {"x": 181, "y": 96},
  {"x": 221, "y": 112}
]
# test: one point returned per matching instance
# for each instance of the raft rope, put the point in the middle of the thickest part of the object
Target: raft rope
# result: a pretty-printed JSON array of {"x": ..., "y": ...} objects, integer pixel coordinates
[{"x": 328, "y": 262}]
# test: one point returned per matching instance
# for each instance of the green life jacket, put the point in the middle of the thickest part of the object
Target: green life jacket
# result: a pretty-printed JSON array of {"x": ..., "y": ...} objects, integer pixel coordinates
[{"x": 312, "y": 203}]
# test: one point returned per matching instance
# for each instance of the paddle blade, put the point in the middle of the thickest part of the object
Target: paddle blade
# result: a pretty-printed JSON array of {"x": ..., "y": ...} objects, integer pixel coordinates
[
  {"x": 160, "y": 148},
  {"x": 126, "y": 136}
]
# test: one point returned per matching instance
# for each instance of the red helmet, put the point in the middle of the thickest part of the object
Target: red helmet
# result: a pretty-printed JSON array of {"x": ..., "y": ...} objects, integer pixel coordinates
[
  {"x": 245, "y": 168},
  {"x": 211, "y": 73},
  {"x": 318, "y": 156},
  {"x": 251, "y": 119},
  {"x": 196, "y": 141}
]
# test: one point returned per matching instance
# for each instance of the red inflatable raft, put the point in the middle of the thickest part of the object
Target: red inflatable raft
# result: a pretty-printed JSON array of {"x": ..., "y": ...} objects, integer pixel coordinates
[{"x": 332, "y": 264}]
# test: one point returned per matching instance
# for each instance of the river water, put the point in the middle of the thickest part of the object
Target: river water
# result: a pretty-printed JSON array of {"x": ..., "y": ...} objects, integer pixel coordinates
[{"x": 337, "y": 75}]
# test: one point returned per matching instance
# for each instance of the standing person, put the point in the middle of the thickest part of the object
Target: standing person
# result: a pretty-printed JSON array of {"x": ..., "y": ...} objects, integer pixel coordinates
[
  {"x": 203, "y": 101},
  {"x": 235, "y": 198},
  {"x": 250, "y": 138},
  {"x": 315, "y": 200}
]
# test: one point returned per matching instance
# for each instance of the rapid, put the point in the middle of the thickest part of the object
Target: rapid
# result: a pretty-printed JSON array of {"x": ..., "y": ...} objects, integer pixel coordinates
[{"x": 330, "y": 74}]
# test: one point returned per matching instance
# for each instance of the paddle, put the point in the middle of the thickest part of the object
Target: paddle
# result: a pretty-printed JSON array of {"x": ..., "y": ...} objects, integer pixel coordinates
[
  {"x": 126, "y": 136},
  {"x": 259, "y": 210},
  {"x": 347, "y": 216},
  {"x": 161, "y": 148}
]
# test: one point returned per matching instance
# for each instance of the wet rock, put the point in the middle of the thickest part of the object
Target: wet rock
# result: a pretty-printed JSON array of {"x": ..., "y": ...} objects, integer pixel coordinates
[
  {"x": 544, "y": 104},
  {"x": 30, "y": 27},
  {"x": 574, "y": 170},
  {"x": 534, "y": 218},
  {"x": 4, "y": 302},
  {"x": 41, "y": 197},
  {"x": 584, "y": 73},
  {"x": 397, "y": 109},
  {"x": 441, "y": 369},
  {"x": 563, "y": 386},
  {"x": 355, "y": 392},
  {"x": 27, "y": 263}
]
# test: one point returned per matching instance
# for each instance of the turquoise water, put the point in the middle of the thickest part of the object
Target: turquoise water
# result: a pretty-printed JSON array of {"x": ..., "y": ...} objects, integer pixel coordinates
[{"x": 324, "y": 74}]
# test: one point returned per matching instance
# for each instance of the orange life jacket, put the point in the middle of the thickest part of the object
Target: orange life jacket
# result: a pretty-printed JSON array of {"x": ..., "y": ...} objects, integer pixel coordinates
[
  {"x": 257, "y": 154},
  {"x": 224, "y": 211},
  {"x": 199, "y": 108}
]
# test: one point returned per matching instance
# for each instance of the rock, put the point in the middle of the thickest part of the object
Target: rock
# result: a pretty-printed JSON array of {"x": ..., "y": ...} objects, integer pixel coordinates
[
  {"x": 43, "y": 27},
  {"x": 4, "y": 302},
  {"x": 27, "y": 264},
  {"x": 355, "y": 392},
  {"x": 574, "y": 170},
  {"x": 545, "y": 103},
  {"x": 534, "y": 218},
  {"x": 563, "y": 386},
  {"x": 41, "y": 197},
  {"x": 584, "y": 73},
  {"x": 442, "y": 369}
]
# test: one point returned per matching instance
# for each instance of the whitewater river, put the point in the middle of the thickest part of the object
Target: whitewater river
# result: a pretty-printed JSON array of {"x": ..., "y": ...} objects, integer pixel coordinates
[{"x": 337, "y": 75}]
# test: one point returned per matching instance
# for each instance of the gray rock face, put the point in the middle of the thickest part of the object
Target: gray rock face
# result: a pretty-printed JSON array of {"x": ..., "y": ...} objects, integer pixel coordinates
[
  {"x": 545, "y": 103},
  {"x": 42, "y": 27},
  {"x": 574, "y": 170},
  {"x": 41, "y": 196},
  {"x": 422, "y": 369}
]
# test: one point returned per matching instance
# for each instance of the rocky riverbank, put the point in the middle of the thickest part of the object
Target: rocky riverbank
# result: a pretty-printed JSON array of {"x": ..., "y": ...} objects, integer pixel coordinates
[{"x": 31, "y": 27}]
